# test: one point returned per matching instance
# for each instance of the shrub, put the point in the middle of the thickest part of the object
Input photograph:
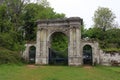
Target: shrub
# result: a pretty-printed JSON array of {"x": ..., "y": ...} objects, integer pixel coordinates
[
  {"x": 112, "y": 50},
  {"x": 8, "y": 56}
]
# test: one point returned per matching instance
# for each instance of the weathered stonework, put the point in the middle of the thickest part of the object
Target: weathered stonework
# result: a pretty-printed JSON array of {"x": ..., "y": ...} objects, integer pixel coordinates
[
  {"x": 71, "y": 28},
  {"x": 109, "y": 59},
  {"x": 95, "y": 50},
  {"x": 25, "y": 54},
  {"x": 68, "y": 26}
]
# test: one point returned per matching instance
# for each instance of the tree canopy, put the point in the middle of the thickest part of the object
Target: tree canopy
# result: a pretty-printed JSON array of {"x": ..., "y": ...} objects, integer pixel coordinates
[
  {"x": 103, "y": 18},
  {"x": 104, "y": 30},
  {"x": 18, "y": 23}
]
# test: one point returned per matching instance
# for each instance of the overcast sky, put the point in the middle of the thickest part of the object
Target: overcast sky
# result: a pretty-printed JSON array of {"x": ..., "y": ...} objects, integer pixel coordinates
[{"x": 85, "y": 8}]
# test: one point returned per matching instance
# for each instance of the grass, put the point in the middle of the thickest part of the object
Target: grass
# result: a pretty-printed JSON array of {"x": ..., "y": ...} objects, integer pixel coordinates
[{"x": 24, "y": 72}]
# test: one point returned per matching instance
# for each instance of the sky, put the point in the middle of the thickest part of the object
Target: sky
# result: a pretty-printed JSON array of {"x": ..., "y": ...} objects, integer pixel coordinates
[{"x": 85, "y": 8}]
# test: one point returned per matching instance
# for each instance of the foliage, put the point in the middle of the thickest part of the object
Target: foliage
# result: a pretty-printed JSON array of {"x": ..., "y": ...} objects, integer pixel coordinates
[
  {"x": 33, "y": 12},
  {"x": 10, "y": 41},
  {"x": 18, "y": 23},
  {"x": 59, "y": 41},
  {"x": 44, "y": 3},
  {"x": 95, "y": 33},
  {"x": 112, "y": 50},
  {"x": 107, "y": 39},
  {"x": 7, "y": 56},
  {"x": 83, "y": 30},
  {"x": 10, "y": 32},
  {"x": 104, "y": 30},
  {"x": 59, "y": 47},
  {"x": 103, "y": 18},
  {"x": 18, "y": 17}
]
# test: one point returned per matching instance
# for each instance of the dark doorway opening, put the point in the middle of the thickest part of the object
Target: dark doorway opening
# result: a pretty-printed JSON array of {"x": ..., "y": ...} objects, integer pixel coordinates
[
  {"x": 32, "y": 52},
  {"x": 58, "y": 51},
  {"x": 87, "y": 55},
  {"x": 57, "y": 58}
]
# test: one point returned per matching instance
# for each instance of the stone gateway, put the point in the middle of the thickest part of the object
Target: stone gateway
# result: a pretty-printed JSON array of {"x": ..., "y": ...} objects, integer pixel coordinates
[{"x": 71, "y": 27}]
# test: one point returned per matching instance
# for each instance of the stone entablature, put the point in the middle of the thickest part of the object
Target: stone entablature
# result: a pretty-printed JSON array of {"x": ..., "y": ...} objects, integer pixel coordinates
[{"x": 60, "y": 22}]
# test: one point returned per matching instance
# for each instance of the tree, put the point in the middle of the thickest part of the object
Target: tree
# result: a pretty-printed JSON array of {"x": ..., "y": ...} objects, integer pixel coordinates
[
  {"x": 104, "y": 18},
  {"x": 94, "y": 33},
  {"x": 44, "y": 3},
  {"x": 33, "y": 12},
  {"x": 18, "y": 17}
]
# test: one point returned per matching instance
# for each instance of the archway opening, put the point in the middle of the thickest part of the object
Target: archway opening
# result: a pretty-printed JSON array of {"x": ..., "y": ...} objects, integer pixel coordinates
[
  {"x": 32, "y": 51},
  {"x": 87, "y": 55},
  {"x": 58, "y": 50}
]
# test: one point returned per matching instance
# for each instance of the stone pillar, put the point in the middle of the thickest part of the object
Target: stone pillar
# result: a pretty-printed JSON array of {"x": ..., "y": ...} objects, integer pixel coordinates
[
  {"x": 41, "y": 49},
  {"x": 38, "y": 54},
  {"x": 79, "y": 55},
  {"x": 70, "y": 50},
  {"x": 97, "y": 52},
  {"x": 74, "y": 55},
  {"x": 44, "y": 48}
]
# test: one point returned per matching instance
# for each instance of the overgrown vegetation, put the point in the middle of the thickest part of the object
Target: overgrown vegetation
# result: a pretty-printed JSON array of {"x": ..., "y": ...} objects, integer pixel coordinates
[
  {"x": 17, "y": 25},
  {"x": 8, "y": 56},
  {"x": 59, "y": 41},
  {"x": 104, "y": 30}
]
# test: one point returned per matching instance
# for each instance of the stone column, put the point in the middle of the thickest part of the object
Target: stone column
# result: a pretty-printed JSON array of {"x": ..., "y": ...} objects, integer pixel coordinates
[
  {"x": 44, "y": 47},
  {"x": 78, "y": 37},
  {"x": 70, "y": 50},
  {"x": 42, "y": 50},
  {"x": 38, "y": 48},
  {"x": 74, "y": 49}
]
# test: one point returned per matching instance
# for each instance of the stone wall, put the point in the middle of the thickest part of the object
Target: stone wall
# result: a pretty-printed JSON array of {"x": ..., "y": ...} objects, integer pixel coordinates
[
  {"x": 103, "y": 58},
  {"x": 25, "y": 54},
  {"x": 110, "y": 59}
]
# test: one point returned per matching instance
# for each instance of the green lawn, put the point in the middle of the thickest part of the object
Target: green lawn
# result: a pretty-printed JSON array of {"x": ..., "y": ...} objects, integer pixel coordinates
[{"x": 13, "y": 72}]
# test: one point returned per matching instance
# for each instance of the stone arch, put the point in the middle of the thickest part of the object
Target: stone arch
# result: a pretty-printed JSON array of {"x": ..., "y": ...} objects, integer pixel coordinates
[
  {"x": 58, "y": 31},
  {"x": 58, "y": 56},
  {"x": 61, "y": 31},
  {"x": 26, "y": 52},
  {"x": 69, "y": 26},
  {"x": 95, "y": 50},
  {"x": 87, "y": 54}
]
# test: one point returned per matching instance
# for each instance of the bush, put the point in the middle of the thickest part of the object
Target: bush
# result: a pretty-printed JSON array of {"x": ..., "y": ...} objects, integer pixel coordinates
[
  {"x": 112, "y": 50},
  {"x": 7, "y": 56}
]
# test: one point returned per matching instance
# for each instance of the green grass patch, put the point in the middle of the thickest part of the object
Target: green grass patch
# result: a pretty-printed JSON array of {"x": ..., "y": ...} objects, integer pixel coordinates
[{"x": 25, "y": 72}]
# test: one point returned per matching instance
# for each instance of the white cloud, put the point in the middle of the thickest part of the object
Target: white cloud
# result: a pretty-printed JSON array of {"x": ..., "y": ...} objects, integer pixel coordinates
[{"x": 84, "y": 8}]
